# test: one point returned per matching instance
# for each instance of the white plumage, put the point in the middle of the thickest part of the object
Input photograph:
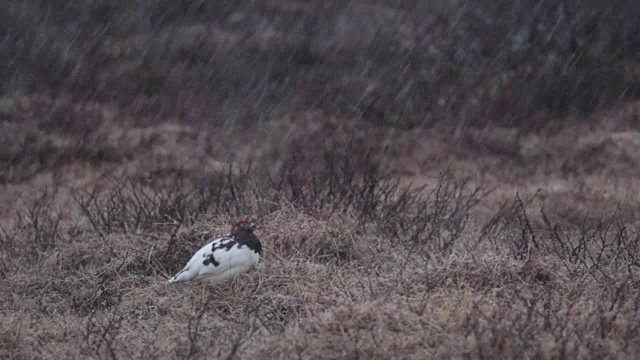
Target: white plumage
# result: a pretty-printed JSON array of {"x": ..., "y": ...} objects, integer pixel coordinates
[{"x": 224, "y": 258}]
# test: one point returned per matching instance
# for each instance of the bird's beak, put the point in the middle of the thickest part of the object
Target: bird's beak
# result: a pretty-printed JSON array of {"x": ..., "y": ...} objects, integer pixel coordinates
[{"x": 253, "y": 226}]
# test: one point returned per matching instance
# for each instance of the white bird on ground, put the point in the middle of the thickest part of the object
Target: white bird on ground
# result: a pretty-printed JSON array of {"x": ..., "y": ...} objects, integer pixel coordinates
[{"x": 224, "y": 258}]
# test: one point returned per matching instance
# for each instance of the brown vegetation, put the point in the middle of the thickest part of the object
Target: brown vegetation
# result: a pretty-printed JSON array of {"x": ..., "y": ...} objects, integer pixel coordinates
[{"x": 425, "y": 186}]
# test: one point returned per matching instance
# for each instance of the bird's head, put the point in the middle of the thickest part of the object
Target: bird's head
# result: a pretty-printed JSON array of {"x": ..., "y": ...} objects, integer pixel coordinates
[{"x": 243, "y": 226}]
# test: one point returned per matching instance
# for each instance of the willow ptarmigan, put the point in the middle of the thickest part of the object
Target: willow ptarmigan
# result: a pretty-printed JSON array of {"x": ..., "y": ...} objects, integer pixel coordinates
[{"x": 224, "y": 258}]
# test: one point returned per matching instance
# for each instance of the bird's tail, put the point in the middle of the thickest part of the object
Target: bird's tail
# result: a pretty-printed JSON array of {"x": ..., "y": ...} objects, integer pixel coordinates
[{"x": 184, "y": 275}]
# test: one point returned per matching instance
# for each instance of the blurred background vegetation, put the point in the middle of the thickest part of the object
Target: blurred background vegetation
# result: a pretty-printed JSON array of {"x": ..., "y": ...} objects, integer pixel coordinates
[{"x": 401, "y": 64}]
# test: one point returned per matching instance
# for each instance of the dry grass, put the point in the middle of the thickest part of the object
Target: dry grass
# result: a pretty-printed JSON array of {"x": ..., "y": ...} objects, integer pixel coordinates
[
  {"x": 508, "y": 231},
  {"x": 356, "y": 265}
]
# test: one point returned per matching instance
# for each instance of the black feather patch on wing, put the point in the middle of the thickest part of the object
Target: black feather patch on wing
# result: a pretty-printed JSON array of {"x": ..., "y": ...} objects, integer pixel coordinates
[
  {"x": 210, "y": 260},
  {"x": 225, "y": 243}
]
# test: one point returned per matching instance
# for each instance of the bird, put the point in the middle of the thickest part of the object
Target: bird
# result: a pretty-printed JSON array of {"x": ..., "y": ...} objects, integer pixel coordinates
[{"x": 224, "y": 258}]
